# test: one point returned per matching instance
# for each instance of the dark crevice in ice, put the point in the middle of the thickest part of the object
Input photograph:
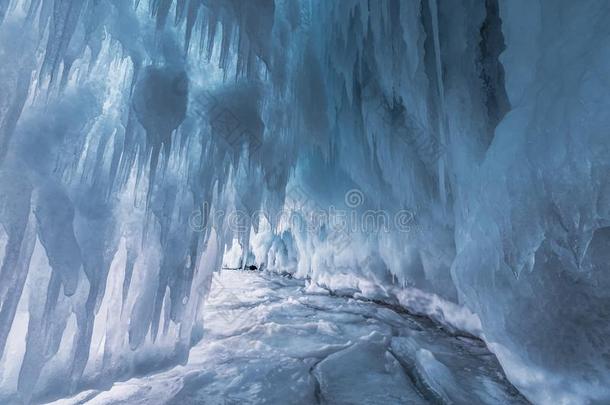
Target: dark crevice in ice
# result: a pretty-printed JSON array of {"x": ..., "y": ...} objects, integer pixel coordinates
[
  {"x": 491, "y": 72},
  {"x": 421, "y": 388}
]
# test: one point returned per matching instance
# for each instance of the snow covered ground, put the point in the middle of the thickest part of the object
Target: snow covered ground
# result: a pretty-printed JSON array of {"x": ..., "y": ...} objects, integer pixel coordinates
[{"x": 267, "y": 340}]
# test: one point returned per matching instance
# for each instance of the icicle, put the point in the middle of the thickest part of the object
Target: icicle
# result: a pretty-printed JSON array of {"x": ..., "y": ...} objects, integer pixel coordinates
[{"x": 441, "y": 93}]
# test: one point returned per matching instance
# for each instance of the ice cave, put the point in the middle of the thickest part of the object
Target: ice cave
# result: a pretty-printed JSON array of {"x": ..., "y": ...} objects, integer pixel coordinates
[{"x": 304, "y": 202}]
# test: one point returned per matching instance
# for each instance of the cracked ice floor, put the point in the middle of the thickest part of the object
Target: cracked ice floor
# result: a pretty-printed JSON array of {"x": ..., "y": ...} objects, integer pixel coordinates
[{"x": 267, "y": 341}]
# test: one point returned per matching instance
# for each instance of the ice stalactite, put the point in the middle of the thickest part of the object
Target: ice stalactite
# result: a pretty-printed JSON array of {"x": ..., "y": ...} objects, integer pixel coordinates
[
  {"x": 107, "y": 156},
  {"x": 505, "y": 234}
]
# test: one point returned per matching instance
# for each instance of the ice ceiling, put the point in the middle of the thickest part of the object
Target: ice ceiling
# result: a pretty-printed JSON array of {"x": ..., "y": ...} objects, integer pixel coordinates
[{"x": 141, "y": 140}]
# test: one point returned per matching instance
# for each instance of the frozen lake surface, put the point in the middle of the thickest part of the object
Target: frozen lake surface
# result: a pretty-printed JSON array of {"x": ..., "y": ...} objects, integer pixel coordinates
[{"x": 268, "y": 341}]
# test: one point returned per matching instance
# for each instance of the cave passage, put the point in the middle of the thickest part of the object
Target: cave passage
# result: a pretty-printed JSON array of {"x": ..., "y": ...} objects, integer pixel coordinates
[
  {"x": 274, "y": 339},
  {"x": 416, "y": 194}
]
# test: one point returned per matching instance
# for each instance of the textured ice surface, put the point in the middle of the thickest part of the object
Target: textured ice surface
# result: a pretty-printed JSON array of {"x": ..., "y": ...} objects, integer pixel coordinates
[
  {"x": 268, "y": 342},
  {"x": 474, "y": 135}
]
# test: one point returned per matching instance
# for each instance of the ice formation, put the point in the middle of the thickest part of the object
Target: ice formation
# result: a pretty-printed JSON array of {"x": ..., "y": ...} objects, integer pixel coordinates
[{"x": 458, "y": 149}]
